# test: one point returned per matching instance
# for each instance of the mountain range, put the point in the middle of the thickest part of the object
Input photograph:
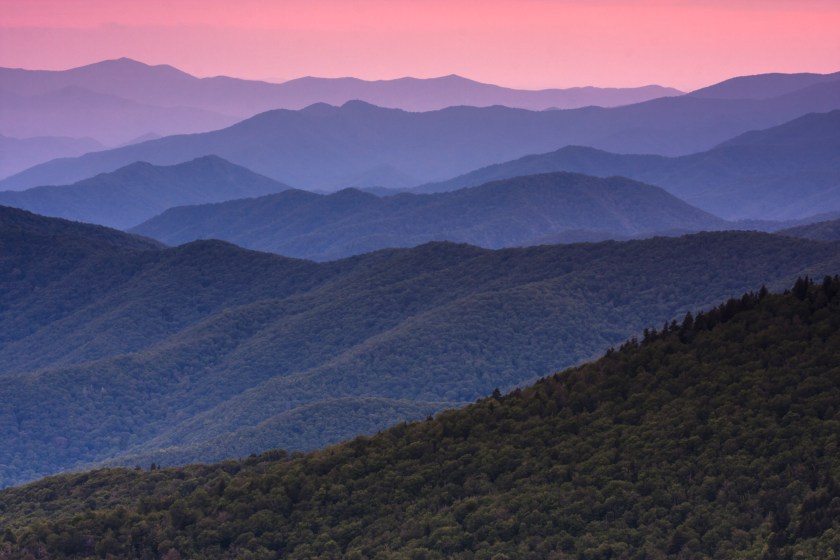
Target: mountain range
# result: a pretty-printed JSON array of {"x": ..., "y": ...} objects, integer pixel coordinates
[
  {"x": 113, "y": 348},
  {"x": 358, "y": 144},
  {"x": 166, "y": 86},
  {"x": 137, "y": 192},
  {"x": 512, "y": 212},
  {"x": 116, "y": 101},
  {"x": 784, "y": 172},
  {"x": 713, "y": 438},
  {"x": 789, "y": 173}
]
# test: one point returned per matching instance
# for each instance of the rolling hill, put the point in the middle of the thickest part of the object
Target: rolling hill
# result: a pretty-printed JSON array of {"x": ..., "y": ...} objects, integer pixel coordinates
[
  {"x": 715, "y": 438},
  {"x": 136, "y": 192},
  {"x": 114, "y": 352},
  {"x": 785, "y": 172},
  {"x": 358, "y": 144},
  {"x": 512, "y": 212}
]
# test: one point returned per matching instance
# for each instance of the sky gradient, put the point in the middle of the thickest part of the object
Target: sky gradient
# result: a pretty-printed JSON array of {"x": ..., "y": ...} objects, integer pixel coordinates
[{"x": 519, "y": 43}]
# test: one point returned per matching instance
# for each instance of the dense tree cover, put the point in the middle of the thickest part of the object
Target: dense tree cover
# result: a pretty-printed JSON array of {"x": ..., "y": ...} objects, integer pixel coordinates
[
  {"x": 38, "y": 255},
  {"x": 828, "y": 230},
  {"x": 134, "y": 193},
  {"x": 173, "y": 355},
  {"x": 714, "y": 437},
  {"x": 510, "y": 212},
  {"x": 303, "y": 427},
  {"x": 785, "y": 172}
]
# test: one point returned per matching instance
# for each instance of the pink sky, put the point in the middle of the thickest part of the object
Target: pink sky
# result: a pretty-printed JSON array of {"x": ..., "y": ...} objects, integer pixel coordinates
[{"x": 520, "y": 43}]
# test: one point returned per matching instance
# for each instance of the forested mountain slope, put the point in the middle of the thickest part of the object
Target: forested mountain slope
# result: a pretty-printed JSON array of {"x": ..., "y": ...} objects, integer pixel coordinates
[
  {"x": 714, "y": 438},
  {"x": 150, "y": 353}
]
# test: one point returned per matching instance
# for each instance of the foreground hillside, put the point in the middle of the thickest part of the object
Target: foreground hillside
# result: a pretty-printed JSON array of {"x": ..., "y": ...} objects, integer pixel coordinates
[
  {"x": 513, "y": 212},
  {"x": 140, "y": 354},
  {"x": 714, "y": 438}
]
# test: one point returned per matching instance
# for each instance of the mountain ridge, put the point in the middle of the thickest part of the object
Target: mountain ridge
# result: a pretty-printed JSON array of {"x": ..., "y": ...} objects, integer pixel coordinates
[
  {"x": 785, "y": 172},
  {"x": 763, "y": 86},
  {"x": 244, "y": 98},
  {"x": 505, "y": 213},
  {"x": 140, "y": 190},
  {"x": 324, "y": 148}
]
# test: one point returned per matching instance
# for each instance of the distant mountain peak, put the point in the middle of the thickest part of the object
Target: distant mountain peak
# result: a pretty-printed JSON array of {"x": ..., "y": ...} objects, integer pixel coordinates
[
  {"x": 456, "y": 78},
  {"x": 126, "y": 64},
  {"x": 126, "y": 60},
  {"x": 317, "y": 109},
  {"x": 357, "y": 104},
  {"x": 122, "y": 62}
]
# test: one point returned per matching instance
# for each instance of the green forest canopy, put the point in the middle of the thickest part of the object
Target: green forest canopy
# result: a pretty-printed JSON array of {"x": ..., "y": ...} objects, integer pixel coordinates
[{"x": 714, "y": 437}]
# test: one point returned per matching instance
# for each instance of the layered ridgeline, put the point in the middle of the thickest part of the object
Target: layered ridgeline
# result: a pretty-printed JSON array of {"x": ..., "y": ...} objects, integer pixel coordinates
[
  {"x": 118, "y": 101},
  {"x": 716, "y": 438},
  {"x": 358, "y": 144},
  {"x": 137, "y": 192},
  {"x": 208, "y": 350},
  {"x": 514, "y": 212},
  {"x": 165, "y": 86},
  {"x": 784, "y": 172}
]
